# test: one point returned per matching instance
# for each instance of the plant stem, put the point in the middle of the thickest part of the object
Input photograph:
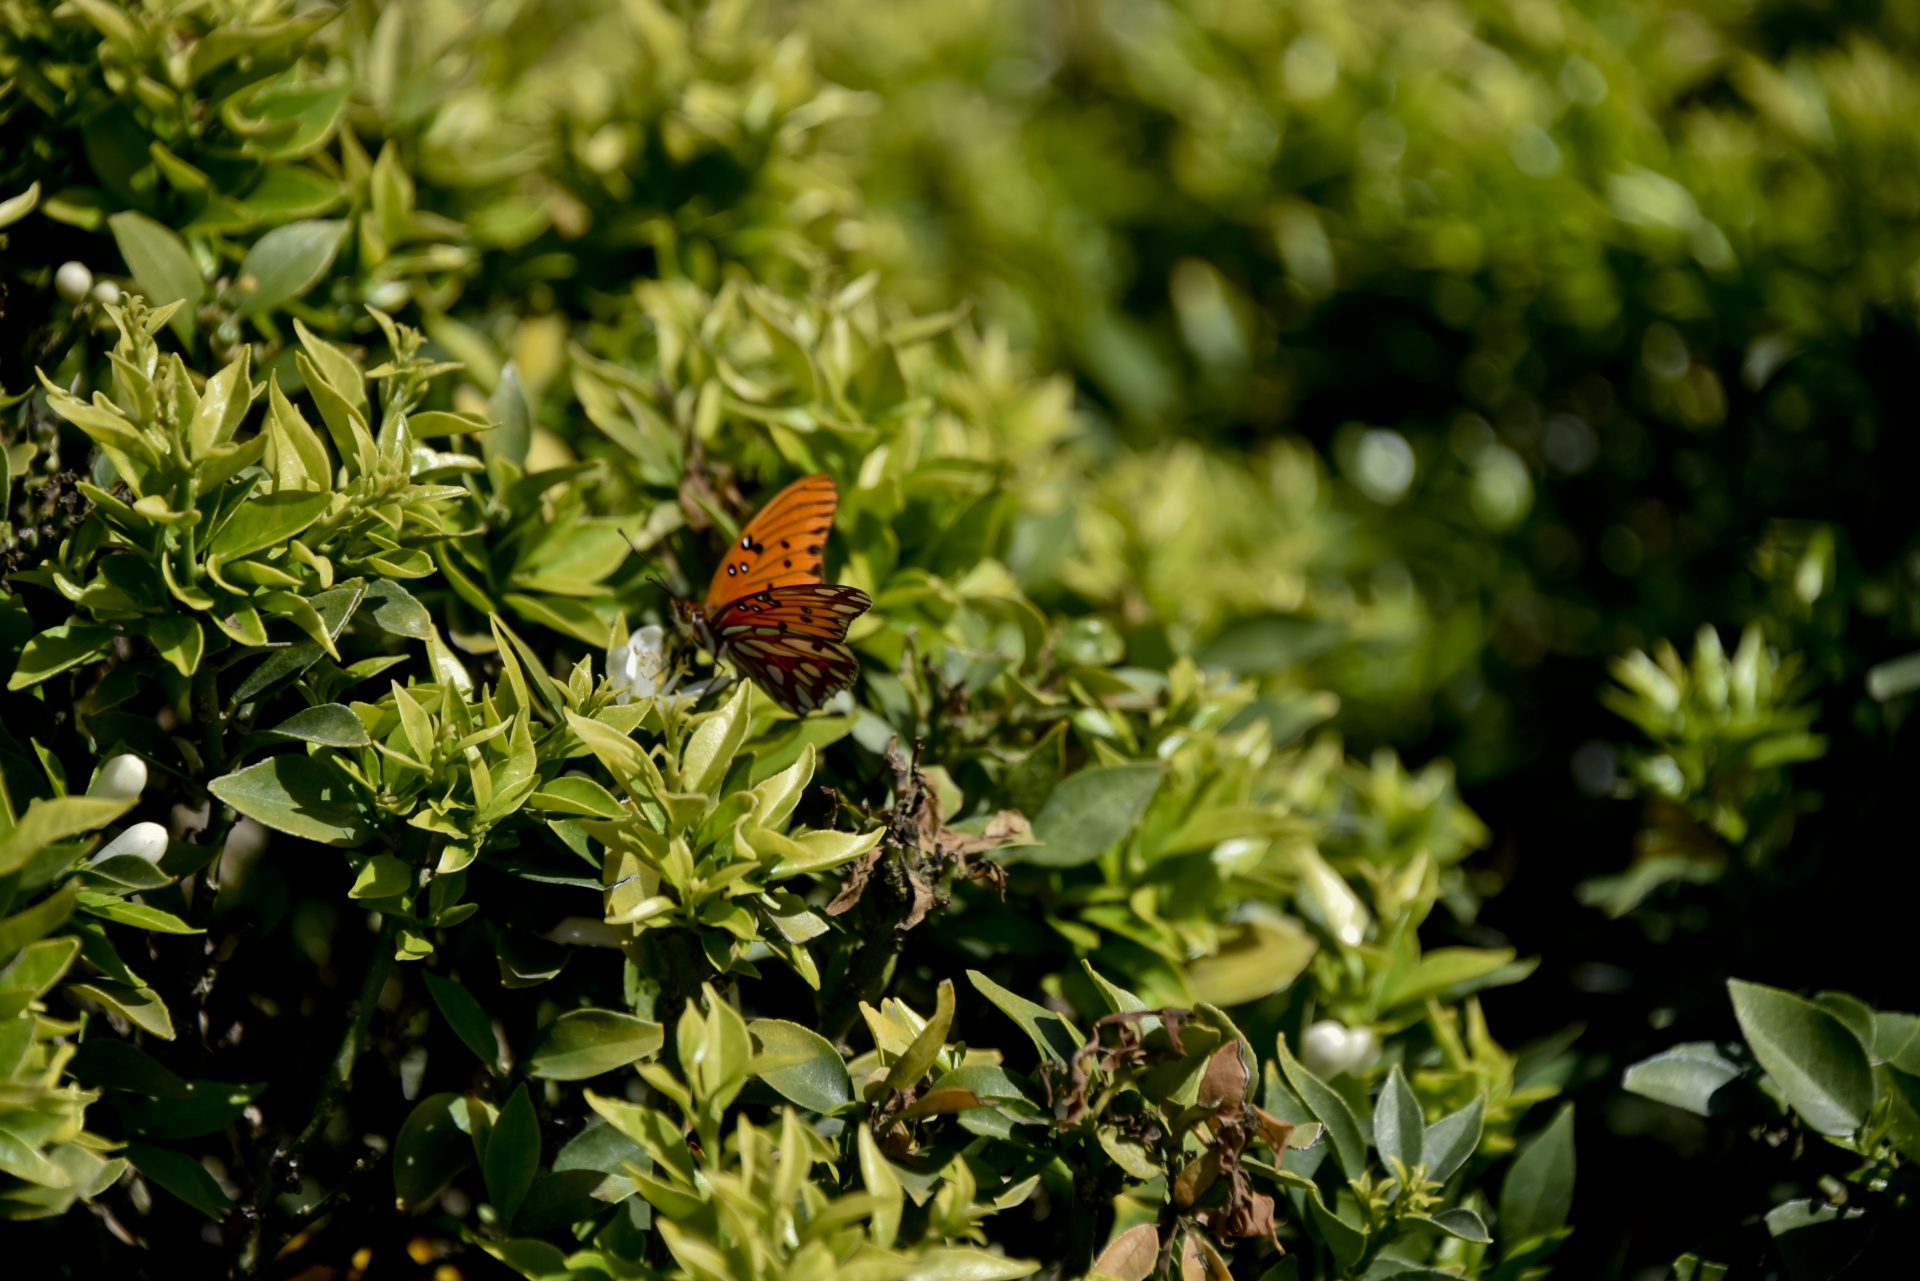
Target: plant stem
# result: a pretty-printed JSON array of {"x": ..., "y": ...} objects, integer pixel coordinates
[{"x": 285, "y": 1162}]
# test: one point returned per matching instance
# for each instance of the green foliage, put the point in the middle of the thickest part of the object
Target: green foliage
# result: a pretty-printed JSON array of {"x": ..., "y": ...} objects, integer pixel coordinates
[
  {"x": 1083, "y": 769},
  {"x": 1716, "y": 778},
  {"x": 1832, "y": 1066}
]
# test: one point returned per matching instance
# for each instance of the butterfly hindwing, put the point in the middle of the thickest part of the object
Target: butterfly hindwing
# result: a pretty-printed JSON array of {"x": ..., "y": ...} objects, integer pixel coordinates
[
  {"x": 781, "y": 546},
  {"x": 799, "y": 672}
]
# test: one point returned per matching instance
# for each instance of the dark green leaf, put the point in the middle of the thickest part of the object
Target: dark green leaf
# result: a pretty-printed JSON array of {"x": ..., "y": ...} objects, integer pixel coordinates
[
  {"x": 329, "y": 724},
  {"x": 1453, "y": 1138},
  {"x": 1399, "y": 1126},
  {"x": 1818, "y": 1064},
  {"x": 119, "y": 1066},
  {"x": 465, "y": 1015},
  {"x": 1088, "y": 813},
  {"x": 1328, "y": 1108},
  {"x": 513, "y": 1154},
  {"x": 1052, "y": 1035},
  {"x": 430, "y": 1149},
  {"x": 1460, "y": 1222},
  {"x": 181, "y": 1175},
  {"x": 1538, "y": 1191},
  {"x": 393, "y": 609},
  {"x": 819, "y": 1082},
  {"x": 1685, "y": 1076}
]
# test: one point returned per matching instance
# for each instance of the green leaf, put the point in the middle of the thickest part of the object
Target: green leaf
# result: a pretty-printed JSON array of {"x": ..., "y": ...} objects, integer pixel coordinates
[
  {"x": 465, "y": 1015},
  {"x": 140, "y": 1006},
  {"x": 1453, "y": 1138},
  {"x": 14, "y": 208},
  {"x": 1088, "y": 813},
  {"x": 1538, "y": 1191},
  {"x": 38, "y": 967},
  {"x": 181, "y": 1175},
  {"x": 587, "y": 1043},
  {"x": 48, "y": 821},
  {"x": 1347, "y": 1240},
  {"x": 429, "y": 1150},
  {"x": 35, "y": 923},
  {"x": 393, "y": 609},
  {"x": 56, "y": 649},
  {"x": 329, "y": 724},
  {"x": 117, "y": 1065},
  {"x": 1328, "y": 1108},
  {"x": 1399, "y": 1126},
  {"x": 1685, "y": 1076},
  {"x": 1458, "y": 1222},
  {"x": 580, "y": 796},
  {"x": 818, "y": 1080},
  {"x": 24, "y": 1160},
  {"x": 1442, "y": 969},
  {"x": 383, "y": 876},
  {"x": 180, "y": 641},
  {"x": 139, "y": 915},
  {"x": 714, "y": 743},
  {"x": 300, "y": 795},
  {"x": 286, "y": 262},
  {"x": 1818, "y": 1064},
  {"x": 513, "y": 1155},
  {"x": 161, "y": 264},
  {"x": 1052, "y": 1035},
  {"x": 267, "y": 520},
  {"x": 919, "y": 1056}
]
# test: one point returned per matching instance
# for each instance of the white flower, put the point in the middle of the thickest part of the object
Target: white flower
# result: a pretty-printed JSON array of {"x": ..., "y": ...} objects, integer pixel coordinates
[
  {"x": 142, "y": 840},
  {"x": 1331, "y": 1047},
  {"x": 640, "y": 669},
  {"x": 120, "y": 778}
]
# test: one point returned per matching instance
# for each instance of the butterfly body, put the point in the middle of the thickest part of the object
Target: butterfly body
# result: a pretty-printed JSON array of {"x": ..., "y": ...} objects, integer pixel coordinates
[{"x": 767, "y": 611}]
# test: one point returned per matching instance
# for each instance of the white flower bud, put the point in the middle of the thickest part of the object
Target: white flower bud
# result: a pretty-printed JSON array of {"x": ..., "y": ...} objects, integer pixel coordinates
[
  {"x": 142, "y": 840},
  {"x": 106, "y": 293},
  {"x": 120, "y": 778},
  {"x": 73, "y": 281},
  {"x": 1329, "y": 1048}
]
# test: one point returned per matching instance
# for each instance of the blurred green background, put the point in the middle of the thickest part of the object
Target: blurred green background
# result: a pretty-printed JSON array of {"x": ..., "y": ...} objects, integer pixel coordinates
[{"x": 1430, "y": 354}]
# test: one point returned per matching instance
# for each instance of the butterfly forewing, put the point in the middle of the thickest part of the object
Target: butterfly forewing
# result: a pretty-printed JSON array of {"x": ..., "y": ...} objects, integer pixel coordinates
[{"x": 781, "y": 546}]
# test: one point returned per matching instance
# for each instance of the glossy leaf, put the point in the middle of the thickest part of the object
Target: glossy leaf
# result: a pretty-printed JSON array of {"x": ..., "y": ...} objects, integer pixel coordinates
[
  {"x": 1818, "y": 1064},
  {"x": 300, "y": 795},
  {"x": 1685, "y": 1076},
  {"x": 816, "y": 1077},
  {"x": 581, "y": 1044}
]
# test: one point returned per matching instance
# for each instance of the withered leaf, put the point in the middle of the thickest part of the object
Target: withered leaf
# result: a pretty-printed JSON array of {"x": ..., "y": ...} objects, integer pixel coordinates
[{"x": 1131, "y": 1256}]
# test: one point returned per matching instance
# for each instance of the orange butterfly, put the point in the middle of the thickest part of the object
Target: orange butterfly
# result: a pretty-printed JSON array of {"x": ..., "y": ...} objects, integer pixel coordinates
[{"x": 768, "y": 613}]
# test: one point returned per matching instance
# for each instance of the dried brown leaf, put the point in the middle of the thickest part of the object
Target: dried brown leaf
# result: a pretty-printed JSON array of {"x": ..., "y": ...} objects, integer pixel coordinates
[{"x": 1132, "y": 1255}]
